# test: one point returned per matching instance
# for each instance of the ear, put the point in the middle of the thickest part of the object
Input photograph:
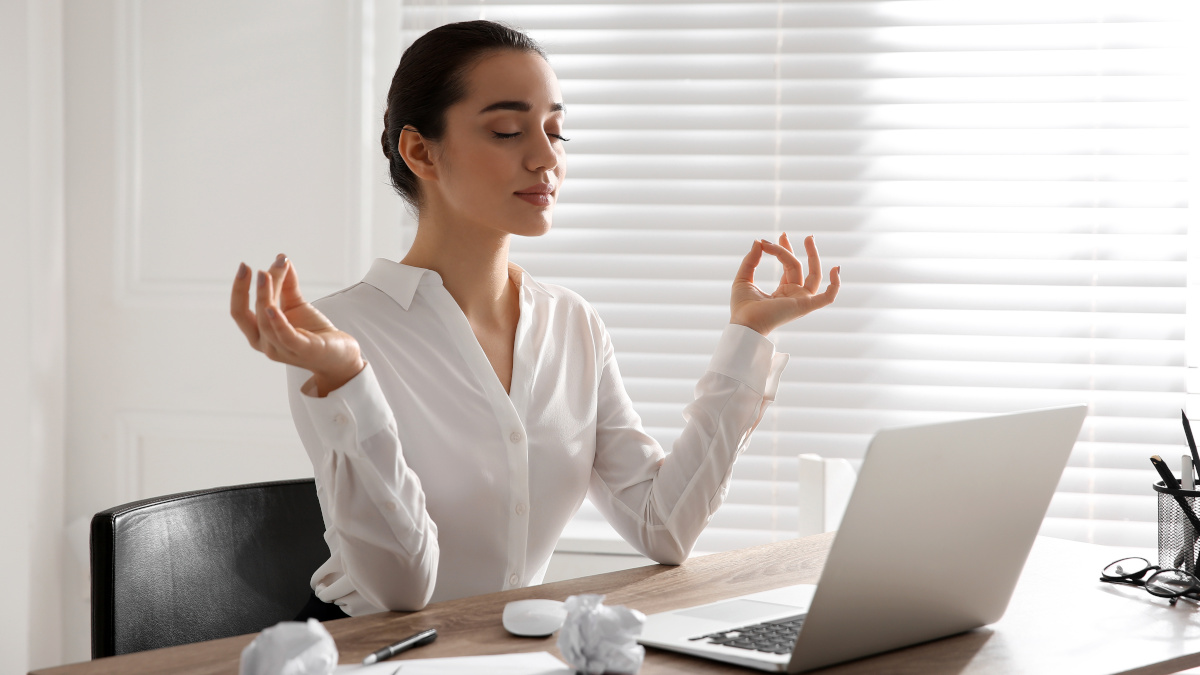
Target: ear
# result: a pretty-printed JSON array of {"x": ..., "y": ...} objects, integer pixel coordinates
[{"x": 417, "y": 154}]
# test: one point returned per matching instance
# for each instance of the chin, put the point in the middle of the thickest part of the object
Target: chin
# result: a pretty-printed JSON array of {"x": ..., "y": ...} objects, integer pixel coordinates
[{"x": 532, "y": 228}]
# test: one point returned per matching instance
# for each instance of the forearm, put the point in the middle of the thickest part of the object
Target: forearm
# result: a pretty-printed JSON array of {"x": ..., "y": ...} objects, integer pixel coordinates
[
  {"x": 374, "y": 503},
  {"x": 389, "y": 547},
  {"x": 669, "y": 507}
]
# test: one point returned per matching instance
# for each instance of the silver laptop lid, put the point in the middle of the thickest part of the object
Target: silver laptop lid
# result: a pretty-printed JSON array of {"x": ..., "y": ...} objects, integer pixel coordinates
[{"x": 937, "y": 531}]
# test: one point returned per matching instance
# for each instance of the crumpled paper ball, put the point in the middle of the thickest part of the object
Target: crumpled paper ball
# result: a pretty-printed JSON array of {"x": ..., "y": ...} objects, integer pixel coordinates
[
  {"x": 291, "y": 648},
  {"x": 597, "y": 639}
]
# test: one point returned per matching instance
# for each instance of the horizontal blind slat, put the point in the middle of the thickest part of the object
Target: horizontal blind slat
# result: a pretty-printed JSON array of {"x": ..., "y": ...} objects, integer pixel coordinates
[{"x": 865, "y": 221}]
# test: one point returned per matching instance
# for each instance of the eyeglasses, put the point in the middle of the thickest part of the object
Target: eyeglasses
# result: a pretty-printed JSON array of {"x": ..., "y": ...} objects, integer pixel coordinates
[{"x": 1161, "y": 582}]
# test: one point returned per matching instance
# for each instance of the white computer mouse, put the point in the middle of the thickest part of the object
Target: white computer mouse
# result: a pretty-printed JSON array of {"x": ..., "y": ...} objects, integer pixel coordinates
[{"x": 534, "y": 618}]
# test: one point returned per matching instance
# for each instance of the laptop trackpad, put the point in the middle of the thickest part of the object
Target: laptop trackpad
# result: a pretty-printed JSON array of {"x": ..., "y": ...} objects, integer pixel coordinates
[{"x": 736, "y": 611}]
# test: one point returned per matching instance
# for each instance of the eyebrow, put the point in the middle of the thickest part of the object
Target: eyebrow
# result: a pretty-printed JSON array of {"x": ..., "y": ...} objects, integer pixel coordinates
[{"x": 519, "y": 106}]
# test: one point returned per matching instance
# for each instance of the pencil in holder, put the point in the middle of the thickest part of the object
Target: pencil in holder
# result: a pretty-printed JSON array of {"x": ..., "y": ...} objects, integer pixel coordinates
[{"x": 1177, "y": 538}]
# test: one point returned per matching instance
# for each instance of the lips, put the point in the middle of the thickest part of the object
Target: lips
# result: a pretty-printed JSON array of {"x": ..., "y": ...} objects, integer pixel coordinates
[{"x": 538, "y": 195}]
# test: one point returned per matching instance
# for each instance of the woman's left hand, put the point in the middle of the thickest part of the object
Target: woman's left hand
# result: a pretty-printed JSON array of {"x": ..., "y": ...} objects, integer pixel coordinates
[{"x": 796, "y": 295}]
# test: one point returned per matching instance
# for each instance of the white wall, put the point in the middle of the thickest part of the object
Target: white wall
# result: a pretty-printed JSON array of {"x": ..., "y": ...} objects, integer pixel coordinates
[
  {"x": 32, "y": 332},
  {"x": 200, "y": 135}
]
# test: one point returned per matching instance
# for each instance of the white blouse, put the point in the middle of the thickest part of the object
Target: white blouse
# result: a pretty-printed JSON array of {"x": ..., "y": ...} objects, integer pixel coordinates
[{"x": 436, "y": 484}]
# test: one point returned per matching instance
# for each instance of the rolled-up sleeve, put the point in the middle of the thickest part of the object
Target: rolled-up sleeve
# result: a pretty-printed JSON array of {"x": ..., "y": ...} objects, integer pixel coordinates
[
  {"x": 660, "y": 503},
  {"x": 381, "y": 538}
]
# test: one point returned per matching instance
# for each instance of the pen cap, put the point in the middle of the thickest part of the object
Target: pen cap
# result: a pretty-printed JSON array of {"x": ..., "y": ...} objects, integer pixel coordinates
[{"x": 1177, "y": 540}]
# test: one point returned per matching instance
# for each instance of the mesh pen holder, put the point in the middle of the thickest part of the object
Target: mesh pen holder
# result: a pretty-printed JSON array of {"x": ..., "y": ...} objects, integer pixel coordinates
[{"x": 1177, "y": 539}]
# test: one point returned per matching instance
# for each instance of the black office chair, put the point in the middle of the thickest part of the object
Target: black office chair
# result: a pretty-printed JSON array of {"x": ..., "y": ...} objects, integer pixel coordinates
[{"x": 203, "y": 565}]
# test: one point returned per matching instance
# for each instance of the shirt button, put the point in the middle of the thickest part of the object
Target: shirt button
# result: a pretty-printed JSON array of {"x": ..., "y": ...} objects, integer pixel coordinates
[
  {"x": 512, "y": 580},
  {"x": 392, "y": 506},
  {"x": 339, "y": 419},
  {"x": 515, "y": 437},
  {"x": 520, "y": 509}
]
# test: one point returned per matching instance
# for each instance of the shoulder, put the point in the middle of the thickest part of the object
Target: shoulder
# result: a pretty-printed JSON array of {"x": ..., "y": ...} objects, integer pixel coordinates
[
  {"x": 572, "y": 320},
  {"x": 351, "y": 303},
  {"x": 565, "y": 302}
]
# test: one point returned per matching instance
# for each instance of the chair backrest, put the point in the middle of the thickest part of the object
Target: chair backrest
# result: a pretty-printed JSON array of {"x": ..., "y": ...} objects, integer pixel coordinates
[{"x": 203, "y": 565}]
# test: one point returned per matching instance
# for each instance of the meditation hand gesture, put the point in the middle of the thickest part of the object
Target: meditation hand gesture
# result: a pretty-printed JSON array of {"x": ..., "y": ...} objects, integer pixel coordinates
[
  {"x": 288, "y": 329},
  {"x": 793, "y": 298}
]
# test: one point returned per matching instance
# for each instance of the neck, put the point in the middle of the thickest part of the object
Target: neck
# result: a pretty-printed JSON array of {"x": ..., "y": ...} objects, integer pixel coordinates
[{"x": 472, "y": 261}]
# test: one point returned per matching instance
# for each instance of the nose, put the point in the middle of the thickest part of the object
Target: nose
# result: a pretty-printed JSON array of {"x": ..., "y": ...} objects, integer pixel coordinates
[{"x": 541, "y": 156}]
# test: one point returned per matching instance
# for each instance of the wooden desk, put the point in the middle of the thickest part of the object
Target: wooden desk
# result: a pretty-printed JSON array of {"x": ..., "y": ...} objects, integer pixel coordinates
[{"x": 1061, "y": 620}]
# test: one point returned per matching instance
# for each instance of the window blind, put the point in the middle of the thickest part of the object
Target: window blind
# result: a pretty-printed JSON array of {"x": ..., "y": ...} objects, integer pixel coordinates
[{"x": 1004, "y": 184}]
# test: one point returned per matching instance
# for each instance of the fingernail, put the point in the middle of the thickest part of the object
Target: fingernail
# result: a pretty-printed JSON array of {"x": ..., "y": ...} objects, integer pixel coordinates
[
  {"x": 262, "y": 278},
  {"x": 280, "y": 261},
  {"x": 242, "y": 270}
]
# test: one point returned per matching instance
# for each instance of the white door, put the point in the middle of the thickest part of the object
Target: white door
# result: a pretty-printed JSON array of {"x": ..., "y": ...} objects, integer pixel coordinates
[{"x": 200, "y": 135}]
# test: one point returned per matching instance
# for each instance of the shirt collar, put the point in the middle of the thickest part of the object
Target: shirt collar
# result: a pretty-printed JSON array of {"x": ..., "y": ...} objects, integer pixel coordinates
[
  {"x": 400, "y": 281},
  {"x": 523, "y": 280}
]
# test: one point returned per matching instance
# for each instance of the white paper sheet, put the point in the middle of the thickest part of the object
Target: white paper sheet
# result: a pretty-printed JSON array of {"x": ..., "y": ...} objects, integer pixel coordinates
[{"x": 535, "y": 663}]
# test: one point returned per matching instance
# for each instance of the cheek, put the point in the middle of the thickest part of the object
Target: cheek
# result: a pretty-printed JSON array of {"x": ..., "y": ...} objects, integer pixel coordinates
[
  {"x": 491, "y": 166},
  {"x": 470, "y": 166}
]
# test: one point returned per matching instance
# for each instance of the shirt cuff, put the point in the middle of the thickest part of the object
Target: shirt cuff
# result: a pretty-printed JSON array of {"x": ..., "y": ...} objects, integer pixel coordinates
[
  {"x": 355, "y": 410},
  {"x": 749, "y": 357}
]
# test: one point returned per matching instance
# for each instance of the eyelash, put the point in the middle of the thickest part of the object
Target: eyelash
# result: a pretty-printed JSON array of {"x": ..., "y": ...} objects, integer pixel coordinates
[{"x": 499, "y": 135}]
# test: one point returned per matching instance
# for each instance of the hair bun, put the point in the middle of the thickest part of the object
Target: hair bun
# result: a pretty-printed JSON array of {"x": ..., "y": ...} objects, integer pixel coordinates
[{"x": 387, "y": 147}]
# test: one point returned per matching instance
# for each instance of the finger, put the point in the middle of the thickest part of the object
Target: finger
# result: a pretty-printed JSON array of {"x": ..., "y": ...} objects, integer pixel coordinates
[
  {"x": 746, "y": 271},
  {"x": 835, "y": 282},
  {"x": 262, "y": 303},
  {"x": 289, "y": 294},
  {"x": 287, "y": 339},
  {"x": 813, "y": 281},
  {"x": 786, "y": 243},
  {"x": 239, "y": 305},
  {"x": 792, "y": 270},
  {"x": 277, "y": 271}
]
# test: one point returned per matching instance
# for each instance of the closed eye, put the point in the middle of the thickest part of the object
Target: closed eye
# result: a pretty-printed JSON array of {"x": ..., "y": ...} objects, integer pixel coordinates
[{"x": 497, "y": 134}]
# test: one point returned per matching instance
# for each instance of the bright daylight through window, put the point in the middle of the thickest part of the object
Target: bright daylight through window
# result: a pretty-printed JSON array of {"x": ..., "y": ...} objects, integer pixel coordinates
[{"x": 1004, "y": 184}]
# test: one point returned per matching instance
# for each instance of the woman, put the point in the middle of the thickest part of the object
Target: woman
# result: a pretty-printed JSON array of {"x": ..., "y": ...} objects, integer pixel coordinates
[{"x": 457, "y": 411}]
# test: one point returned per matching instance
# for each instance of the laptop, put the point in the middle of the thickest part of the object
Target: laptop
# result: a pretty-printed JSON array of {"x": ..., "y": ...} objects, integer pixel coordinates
[{"x": 933, "y": 540}]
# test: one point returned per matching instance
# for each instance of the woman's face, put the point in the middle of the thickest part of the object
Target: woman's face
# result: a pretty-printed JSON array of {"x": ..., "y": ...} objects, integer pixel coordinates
[{"x": 501, "y": 161}]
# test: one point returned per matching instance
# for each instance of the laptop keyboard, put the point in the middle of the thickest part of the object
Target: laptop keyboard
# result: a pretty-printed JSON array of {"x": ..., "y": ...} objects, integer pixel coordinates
[{"x": 774, "y": 637}]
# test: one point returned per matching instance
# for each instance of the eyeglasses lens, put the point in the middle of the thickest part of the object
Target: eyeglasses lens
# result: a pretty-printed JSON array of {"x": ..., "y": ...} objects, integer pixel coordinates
[
  {"x": 1126, "y": 568},
  {"x": 1171, "y": 583}
]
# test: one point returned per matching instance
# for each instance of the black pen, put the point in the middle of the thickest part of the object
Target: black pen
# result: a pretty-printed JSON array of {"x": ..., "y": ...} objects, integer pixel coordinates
[
  {"x": 422, "y": 638},
  {"x": 1187, "y": 431}
]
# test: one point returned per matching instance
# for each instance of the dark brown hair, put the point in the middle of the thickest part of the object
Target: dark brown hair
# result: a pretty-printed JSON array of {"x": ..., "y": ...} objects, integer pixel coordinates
[{"x": 429, "y": 80}]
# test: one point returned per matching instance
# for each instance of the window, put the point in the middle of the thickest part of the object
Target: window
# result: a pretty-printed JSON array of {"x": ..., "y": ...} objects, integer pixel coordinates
[{"x": 1004, "y": 183}]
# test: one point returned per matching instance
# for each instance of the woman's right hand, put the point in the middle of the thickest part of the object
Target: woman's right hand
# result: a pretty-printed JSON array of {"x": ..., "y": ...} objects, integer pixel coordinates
[{"x": 290, "y": 330}]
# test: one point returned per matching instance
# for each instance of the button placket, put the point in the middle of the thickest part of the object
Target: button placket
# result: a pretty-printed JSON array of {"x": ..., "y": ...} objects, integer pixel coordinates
[
  {"x": 518, "y": 451},
  {"x": 508, "y": 410}
]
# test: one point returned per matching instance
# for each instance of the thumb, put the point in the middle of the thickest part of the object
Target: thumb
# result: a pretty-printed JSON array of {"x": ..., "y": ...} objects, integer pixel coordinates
[
  {"x": 749, "y": 263},
  {"x": 289, "y": 293}
]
